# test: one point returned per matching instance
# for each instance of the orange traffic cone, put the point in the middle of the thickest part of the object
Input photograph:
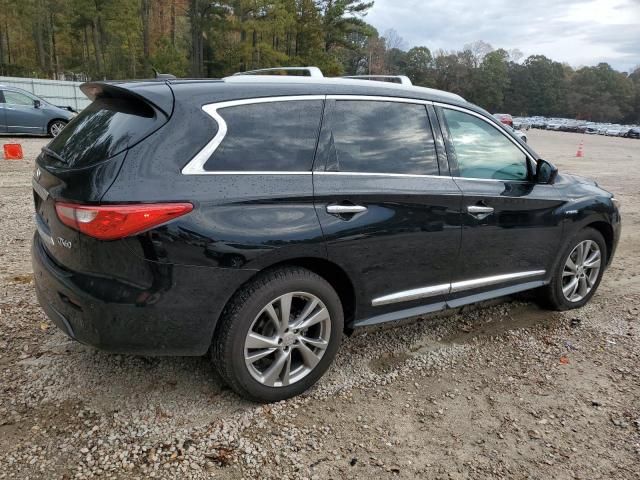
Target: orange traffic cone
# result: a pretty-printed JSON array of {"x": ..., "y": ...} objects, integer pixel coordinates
[
  {"x": 580, "y": 153},
  {"x": 13, "y": 151}
]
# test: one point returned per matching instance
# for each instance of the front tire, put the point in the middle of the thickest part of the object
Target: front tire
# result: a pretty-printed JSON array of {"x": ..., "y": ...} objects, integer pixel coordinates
[
  {"x": 278, "y": 334},
  {"x": 579, "y": 272},
  {"x": 56, "y": 127}
]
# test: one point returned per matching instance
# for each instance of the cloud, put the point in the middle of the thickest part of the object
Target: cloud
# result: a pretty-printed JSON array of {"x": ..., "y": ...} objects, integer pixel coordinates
[{"x": 577, "y": 32}]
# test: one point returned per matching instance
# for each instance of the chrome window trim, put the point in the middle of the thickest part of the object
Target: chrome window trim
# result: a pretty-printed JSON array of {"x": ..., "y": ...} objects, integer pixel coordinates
[
  {"x": 482, "y": 117},
  {"x": 454, "y": 287},
  {"x": 381, "y": 174},
  {"x": 379, "y": 98},
  {"x": 196, "y": 164},
  {"x": 251, "y": 172}
]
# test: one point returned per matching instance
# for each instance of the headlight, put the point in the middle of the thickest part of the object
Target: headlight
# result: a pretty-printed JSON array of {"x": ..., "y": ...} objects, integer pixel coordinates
[{"x": 616, "y": 202}]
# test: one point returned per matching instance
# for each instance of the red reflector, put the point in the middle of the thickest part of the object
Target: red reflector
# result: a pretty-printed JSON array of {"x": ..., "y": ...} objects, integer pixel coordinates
[{"x": 110, "y": 222}]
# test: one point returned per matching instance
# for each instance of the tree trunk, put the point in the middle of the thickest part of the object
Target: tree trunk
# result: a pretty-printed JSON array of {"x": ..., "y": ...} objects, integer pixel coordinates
[
  {"x": 146, "y": 34},
  {"x": 7, "y": 43},
  {"x": 85, "y": 48},
  {"x": 40, "y": 53},
  {"x": 1, "y": 50},
  {"x": 133, "y": 58},
  {"x": 54, "y": 51},
  {"x": 196, "y": 39},
  {"x": 173, "y": 23},
  {"x": 97, "y": 48}
]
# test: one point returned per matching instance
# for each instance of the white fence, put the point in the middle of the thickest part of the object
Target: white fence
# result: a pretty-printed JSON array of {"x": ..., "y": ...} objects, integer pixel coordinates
[{"x": 57, "y": 92}]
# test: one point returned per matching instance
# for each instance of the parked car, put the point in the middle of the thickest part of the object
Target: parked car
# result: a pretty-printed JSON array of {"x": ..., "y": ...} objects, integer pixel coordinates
[
  {"x": 504, "y": 118},
  {"x": 518, "y": 133},
  {"x": 24, "y": 113},
  {"x": 521, "y": 123},
  {"x": 539, "y": 122},
  {"x": 259, "y": 218},
  {"x": 582, "y": 127},
  {"x": 613, "y": 131},
  {"x": 633, "y": 133},
  {"x": 555, "y": 125}
]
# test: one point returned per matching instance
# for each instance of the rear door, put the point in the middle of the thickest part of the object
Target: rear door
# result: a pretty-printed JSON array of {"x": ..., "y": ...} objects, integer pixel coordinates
[
  {"x": 389, "y": 218},
  {"x": 510, "y": 233},
  {"x": 21, "y": 114}
]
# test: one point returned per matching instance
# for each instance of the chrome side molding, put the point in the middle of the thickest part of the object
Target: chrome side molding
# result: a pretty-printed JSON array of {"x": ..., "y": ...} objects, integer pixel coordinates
[
  {"x": 487, "y": 281},
  {"x": 415, "y": 294},
  {"x": 432, "y": 291}
]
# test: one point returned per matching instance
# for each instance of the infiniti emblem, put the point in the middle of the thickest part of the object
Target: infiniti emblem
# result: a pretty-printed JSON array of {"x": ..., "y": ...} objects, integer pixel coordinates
[{"x": 38, "y": 173}]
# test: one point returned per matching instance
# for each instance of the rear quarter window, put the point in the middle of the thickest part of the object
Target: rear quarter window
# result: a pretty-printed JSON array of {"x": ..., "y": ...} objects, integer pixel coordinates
[
  {"x": 102, "y": 130},
  {"x": 273, "y": 136}
]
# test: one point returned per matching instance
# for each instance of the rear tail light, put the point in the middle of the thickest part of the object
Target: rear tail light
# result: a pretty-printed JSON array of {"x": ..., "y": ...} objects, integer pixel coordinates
[{"x": 110, "y": 222}]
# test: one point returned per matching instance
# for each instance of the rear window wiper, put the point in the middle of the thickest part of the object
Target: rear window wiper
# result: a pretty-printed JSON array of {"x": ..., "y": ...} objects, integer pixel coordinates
[{"x": 53, "y": 154}]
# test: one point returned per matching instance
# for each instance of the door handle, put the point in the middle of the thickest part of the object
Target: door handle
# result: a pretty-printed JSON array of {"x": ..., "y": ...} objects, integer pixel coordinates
[
  {"x": 342, "y": 209},
  {"x": 472, "y": 209},
  {"x": 479, "y": 211}
]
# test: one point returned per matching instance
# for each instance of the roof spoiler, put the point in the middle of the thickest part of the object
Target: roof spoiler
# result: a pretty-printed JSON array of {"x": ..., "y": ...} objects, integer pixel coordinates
[{"x": 156, "y": 94}]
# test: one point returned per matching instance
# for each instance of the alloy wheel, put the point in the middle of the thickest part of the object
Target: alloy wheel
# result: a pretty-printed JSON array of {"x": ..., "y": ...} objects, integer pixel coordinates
[
  {"x": 56, "y": 128},
  {"x": 287, "y": 339},
  {"x": 581, "y": 270}
]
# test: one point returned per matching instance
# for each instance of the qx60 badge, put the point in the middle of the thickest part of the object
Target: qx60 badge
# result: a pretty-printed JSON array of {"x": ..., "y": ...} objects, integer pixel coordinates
[{"x": 63, "y": 242}]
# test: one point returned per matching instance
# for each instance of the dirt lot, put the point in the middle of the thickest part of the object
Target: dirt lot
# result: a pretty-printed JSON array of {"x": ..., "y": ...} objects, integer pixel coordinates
[{"x": 506, "y": 391}]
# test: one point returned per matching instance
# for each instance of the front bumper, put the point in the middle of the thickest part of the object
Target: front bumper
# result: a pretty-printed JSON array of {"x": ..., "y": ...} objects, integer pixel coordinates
[{"x": 175, "y": 316}]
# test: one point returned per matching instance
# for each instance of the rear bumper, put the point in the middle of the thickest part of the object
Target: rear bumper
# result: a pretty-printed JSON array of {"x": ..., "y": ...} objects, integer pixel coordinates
[{"x": 175, "y": 316}]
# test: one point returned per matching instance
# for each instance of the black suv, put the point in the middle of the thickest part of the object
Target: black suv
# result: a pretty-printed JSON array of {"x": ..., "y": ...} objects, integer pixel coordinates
[{"x": 259, "y": 218}]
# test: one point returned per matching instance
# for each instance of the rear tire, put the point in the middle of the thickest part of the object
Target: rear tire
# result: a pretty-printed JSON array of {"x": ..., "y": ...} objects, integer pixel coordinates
[
  {"x": 578, "y": 273},
  {"x": 265, "y": 359},
  {"x": 56, "y": 127}
]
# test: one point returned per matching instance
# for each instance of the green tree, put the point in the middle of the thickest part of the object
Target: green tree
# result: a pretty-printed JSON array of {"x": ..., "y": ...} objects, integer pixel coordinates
[
  {"x": 419, "y": 66},
  {"x": 492, "y": 80}
]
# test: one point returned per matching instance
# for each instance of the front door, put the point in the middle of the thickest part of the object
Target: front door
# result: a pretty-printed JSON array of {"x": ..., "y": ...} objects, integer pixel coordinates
[
  {"x": 510, "y": 234},
  {"x": 22, "y": 116},
  {"x": 387, "y": 215}
]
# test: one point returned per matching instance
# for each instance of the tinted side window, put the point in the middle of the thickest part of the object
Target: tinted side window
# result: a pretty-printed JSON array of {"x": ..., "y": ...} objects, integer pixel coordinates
[
  {"x": 16, "y": 98},
  {"x": 381, "y": 137},
  {"x": 482, "y": 151},
  {"x": 274, "y": 136}
]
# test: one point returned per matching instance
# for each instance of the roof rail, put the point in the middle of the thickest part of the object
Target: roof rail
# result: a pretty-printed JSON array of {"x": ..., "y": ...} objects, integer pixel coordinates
[
  {"x": 401, "y": 79},
  {"x": 306, "y": 71}
]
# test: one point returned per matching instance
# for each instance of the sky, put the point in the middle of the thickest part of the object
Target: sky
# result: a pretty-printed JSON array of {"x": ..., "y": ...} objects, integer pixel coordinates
[{"x": 578, "y": 32}]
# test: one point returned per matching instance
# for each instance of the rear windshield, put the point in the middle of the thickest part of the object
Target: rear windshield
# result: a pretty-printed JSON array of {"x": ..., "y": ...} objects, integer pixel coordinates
[{"x": 103, "y": 129}]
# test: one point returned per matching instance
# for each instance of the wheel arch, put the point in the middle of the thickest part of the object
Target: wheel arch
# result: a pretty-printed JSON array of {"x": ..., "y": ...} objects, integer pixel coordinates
[
  {"x": 331, "y": 272},
  {"x": 606, "y": 230}
]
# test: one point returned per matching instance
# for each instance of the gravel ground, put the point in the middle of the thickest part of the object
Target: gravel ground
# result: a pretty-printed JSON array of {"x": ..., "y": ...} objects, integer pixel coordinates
[{"x": 502, "y": 391}]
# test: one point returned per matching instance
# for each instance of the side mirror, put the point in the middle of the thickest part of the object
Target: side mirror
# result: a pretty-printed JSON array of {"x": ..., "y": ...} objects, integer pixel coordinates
[
  {"x": 545, "y": 172},
  {"x": 37, "y": 103}
]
